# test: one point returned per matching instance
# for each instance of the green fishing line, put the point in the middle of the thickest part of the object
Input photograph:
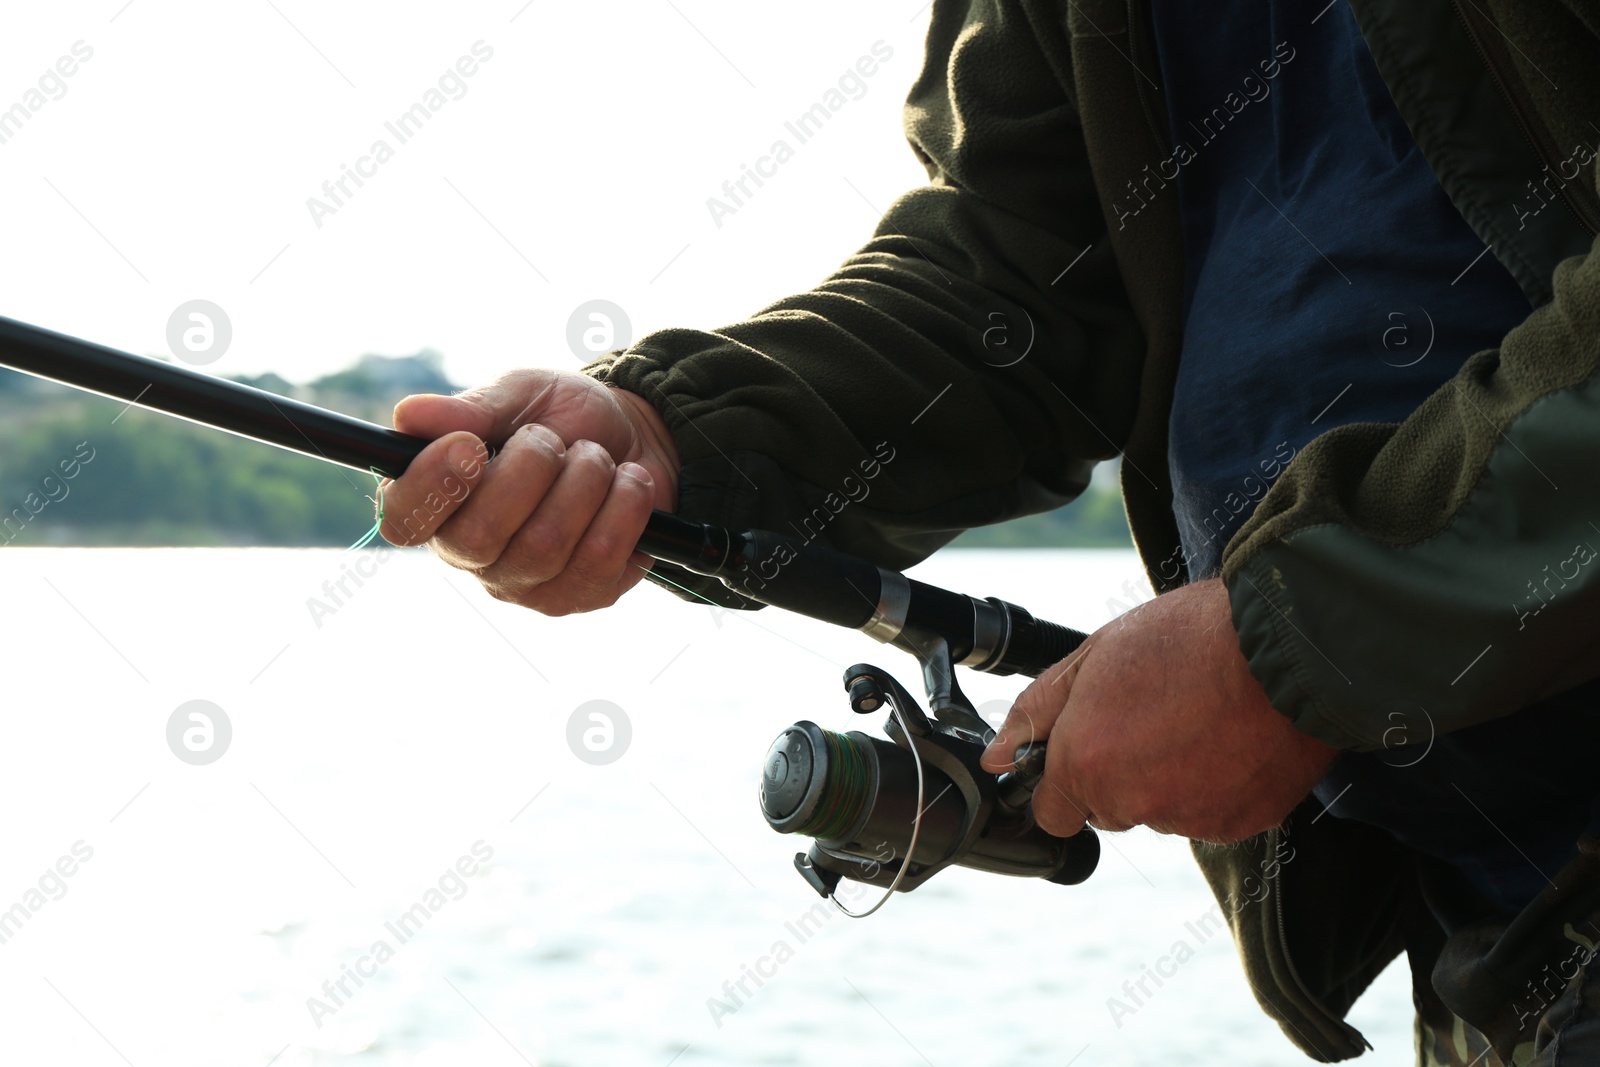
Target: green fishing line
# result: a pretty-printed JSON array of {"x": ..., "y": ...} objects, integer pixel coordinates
[
  {"x": 847, "y": 791},
  {"x": 372, "y": 534},
  {"x": 685, "y": 588}
]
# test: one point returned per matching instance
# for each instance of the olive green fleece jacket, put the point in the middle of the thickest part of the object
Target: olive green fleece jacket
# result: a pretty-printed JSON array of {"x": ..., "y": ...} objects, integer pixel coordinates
[{"x": 1438, "y": 563}]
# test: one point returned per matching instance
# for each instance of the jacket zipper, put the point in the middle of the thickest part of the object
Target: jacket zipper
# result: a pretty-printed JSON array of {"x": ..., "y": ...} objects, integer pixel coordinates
[
  {"x": 1533, "y": 131},
  {"x": 1338, "y": 1025}
]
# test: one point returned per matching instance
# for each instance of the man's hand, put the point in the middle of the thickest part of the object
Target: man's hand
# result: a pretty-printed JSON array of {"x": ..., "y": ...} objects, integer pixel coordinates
[
  {"x": 551, "y": 523},
  {"x": 1157, "y": 721}
]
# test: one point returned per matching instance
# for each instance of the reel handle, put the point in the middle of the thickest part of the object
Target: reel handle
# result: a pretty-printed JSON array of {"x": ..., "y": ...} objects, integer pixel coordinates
[
  {"x": 1015, "y": 788},
  {"x": 1015, "y": 791}
]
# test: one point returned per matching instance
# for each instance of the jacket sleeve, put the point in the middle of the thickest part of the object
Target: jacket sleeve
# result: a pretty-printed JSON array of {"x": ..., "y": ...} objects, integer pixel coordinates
[
  {"x": 952, "y": 372},
  {"x": 1442, "y": 571}
]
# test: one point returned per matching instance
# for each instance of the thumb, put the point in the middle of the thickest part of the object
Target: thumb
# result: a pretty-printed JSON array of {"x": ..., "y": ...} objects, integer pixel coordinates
[
  {"x": 1034, "y": 712},
  {"x": 491, "y": 413}
]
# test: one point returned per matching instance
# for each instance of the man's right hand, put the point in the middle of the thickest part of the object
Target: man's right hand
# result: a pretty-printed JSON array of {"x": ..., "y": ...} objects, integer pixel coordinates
[{"x": 551, "y": 523}]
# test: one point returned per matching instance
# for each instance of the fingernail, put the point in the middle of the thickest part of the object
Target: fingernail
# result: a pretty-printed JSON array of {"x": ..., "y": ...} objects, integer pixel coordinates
[
  {"x": 996, "y": 752},
  {"x": 636, "y": 472},
  {"x": 463, "y": 454},
  {"x": 548, "y": 436}
]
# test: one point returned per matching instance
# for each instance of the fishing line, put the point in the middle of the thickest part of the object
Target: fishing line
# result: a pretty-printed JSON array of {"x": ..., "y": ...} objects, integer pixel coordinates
[
  {"x": 855, "y": 784},
  {"x": 916, "y": 828},
  {"x": 372, "y": 534}
]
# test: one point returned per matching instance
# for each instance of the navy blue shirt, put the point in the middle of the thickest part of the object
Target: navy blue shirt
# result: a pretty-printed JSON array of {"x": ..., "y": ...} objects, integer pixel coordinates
[
  {"x": 1320, "y": 254},
  {"x": 1328, "y": 279}
]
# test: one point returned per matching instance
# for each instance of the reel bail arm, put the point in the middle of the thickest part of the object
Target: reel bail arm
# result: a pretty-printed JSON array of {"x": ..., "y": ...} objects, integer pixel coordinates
[{"x": 856, "y": 794}]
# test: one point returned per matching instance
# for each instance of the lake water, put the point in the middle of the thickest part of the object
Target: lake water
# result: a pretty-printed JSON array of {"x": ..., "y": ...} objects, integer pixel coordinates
[{"x": 392, "y": 738}]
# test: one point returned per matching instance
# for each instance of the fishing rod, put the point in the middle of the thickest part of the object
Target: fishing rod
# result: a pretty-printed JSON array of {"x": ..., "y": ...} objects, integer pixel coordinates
[{"x": 834, "y": 787}]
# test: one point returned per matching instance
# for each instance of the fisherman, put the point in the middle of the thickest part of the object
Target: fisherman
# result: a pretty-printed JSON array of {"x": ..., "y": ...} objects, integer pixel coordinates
[{"x": 1324, "y": 281}]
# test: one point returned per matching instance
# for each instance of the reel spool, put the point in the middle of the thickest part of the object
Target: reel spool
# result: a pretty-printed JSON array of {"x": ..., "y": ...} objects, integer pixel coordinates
[{"x": 856, "y": 796}]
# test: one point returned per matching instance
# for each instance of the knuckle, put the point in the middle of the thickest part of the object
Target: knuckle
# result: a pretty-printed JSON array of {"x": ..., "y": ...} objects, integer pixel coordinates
[
  {"x": 1046, "y": 803},
  {"x": 596, "y": 557},
  {"x": 471, "y": 540},
  {"x": 508, "y": 589},
  {"x": 1133, "y": 800},
  {"x": 406, "y": 533},
  {"x": 1087, "y": 760},
  {"x": 554, "y": 604},
  {"x": 1139, "y": 809},
  {"x": 397, "y": 535},
  {"x": 541, "y": 551},
  {"x": 1053, "y": 814},
  {"x": 593, "y": 568},
  {"x": 419, "y": 519},
  {"x": 590, "y": 578},
  {"x": 502, "y": 592},
  {"x": 572, "y": 594}
]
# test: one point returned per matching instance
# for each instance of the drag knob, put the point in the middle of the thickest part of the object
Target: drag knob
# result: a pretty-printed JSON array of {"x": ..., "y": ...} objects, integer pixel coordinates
[{"x": 786, "y": 776}]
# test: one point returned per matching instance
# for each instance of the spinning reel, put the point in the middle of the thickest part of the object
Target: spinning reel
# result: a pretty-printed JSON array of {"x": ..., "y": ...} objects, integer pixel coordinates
[{"x": 894, "y": 813}]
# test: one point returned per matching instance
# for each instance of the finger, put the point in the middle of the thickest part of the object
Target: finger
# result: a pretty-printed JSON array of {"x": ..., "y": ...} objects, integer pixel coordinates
[
  {"x": 1071, "y": 792},
  {"x": 1056, "y": 808},
  {"x": 1066, "y": 800},
  {"x": 432, "y": 488},
  {"x": 540, "y": 549},
  {"x": 602, "y": 565},
  {"x": 491, "y": 413},
  {"x": 510, "y": 491},
  {"x": 1033, "y": 714}
]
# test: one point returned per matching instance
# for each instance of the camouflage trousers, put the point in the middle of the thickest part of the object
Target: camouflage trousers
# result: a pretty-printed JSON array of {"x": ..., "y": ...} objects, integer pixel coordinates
[
  {"x": 1532, "y": 985},
  {"x": 1567, "y": 1034}
]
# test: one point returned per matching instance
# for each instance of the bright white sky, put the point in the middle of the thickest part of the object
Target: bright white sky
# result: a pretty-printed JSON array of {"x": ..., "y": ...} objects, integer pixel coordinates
[{"x": 178, "y": 162}]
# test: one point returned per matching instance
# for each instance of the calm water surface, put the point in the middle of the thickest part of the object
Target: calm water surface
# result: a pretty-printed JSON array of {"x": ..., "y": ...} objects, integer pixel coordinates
[{"x": 389, "y": 736}]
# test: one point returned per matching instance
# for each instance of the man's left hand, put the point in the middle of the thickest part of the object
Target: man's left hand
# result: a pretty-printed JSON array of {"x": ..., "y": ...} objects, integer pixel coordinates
[{"x": 1157, "y": 721}]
